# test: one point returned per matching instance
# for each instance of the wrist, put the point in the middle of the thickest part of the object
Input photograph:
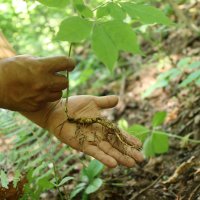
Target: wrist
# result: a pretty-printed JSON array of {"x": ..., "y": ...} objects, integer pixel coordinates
[{"x": 2, "y": 86}]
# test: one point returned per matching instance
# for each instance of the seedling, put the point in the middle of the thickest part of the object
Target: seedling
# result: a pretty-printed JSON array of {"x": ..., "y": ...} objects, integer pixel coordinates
[{"x": 89, "y": 180}]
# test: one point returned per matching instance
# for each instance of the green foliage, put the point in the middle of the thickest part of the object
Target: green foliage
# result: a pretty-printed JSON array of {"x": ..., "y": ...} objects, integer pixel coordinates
[
  {"x": 159, "y": 118},
  {"x": 103, "y": 46},
  {"x": 139, "y": 131},
  {"x": 145, "y": 14},
  {"x": 154, "y": 142},
  {"x": 186, "y": 68},
  {"x": 4, "y": 179},
  {"x": 33, "y": 155},
  {"x": 109, "y": 33},
  {"x": 74, "y": 29},
  {"x": 53, "y": 3},
  {"x": 90, "y": 181},
  {"x": 82, "y": 9}
]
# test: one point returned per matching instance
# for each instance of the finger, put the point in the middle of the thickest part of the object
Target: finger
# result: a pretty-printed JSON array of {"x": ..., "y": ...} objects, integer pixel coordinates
[
  {"x": 100, "y": 155},
  {"x": 106, "y": 101},
  {"x": 130, "y": 151},
  {"x": 59, "y": 83},
  {"x": 131, "y": 140},
  {"x": 54, "y": 96},
  {"x": 122, "y": 159},
  {"x": 58, "y": 63}
]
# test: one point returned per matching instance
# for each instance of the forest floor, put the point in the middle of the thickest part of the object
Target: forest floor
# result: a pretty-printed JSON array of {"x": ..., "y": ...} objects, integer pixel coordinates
[{"x": 174, "y": 175}]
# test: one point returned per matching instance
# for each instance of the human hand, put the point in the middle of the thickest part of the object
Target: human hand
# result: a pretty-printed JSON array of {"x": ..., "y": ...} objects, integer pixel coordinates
[
  {"x": 27, "y": 83},
  {"x": 91, "y": 139}
]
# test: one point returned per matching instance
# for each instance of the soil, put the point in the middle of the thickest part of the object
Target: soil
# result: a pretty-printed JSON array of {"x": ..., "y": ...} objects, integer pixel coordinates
[{"x": 174, "y": 175}]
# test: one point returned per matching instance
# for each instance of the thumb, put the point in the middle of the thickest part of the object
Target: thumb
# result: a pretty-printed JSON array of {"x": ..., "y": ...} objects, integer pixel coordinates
[{"x": 106, "y": 101}]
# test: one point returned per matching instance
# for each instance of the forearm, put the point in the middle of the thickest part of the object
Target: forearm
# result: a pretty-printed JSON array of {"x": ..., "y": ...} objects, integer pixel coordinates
[
  {"x": 40, "y": 117},
  {"x": 2, "y": 95},
  {"x": 45, "y": 119}
]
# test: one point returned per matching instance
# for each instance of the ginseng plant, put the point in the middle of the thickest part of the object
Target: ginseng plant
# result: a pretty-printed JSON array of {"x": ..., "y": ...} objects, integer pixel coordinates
[{"x": 110, "y": 130}]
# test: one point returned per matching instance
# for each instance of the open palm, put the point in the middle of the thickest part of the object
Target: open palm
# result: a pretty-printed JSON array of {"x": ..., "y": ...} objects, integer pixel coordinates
[{"x": 91, "y": 139}]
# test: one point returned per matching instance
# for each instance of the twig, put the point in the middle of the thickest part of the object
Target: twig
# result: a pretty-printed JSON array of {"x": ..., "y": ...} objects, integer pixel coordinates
[
  {"x": 192, "y": 195},
  {"x": 148, "y": 187},
  {"x": 180, "y": 170}
]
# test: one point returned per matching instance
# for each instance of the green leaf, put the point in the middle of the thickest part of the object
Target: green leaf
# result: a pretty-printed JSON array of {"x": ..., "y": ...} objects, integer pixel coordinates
[
  {"x": 146, "y": 14},
  {"x": 103, "y": 46},
  {"x": 94, "y": 169},
  {"x": 16, "y": 178},
  {"x": 197, "y": 82},
  {"x": 123, "y": 124},
  {"x": 54, "y": 3},
  {"x": 116, "y": 11},
  {"x": 192, "y": 77},
  {"x": 74, "y": 29},
  {"x": 194, "y": 65},
  {"x": 148, "y": 147},
  {"x": 184, "y": 62},
  {"x": 139, "y": 131},
  {"x": 122, "y": 36},
  {"x": 77, "y": 190},
  {"x": 102, "y": 11},
  {"x": 4, "y": 180},
  {"x": 45, "y": 184},
  {"x": 94, "y": 186},
  {"x": 82, "y": 9},
  {"x": 65, "y": 180},
  {"x": 170, "y": 74},
  {"x": 160, "y": 142},
  {"x": 159, "y": 118}
]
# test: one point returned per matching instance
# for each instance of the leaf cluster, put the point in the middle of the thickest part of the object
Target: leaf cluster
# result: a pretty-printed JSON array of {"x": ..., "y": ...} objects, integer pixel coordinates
[
  {"x": 109, "y": 26},
  {"x": 90, "y": 181},
  {"x": 186, "y": 68},
  {"x": 33, "y": 155}
]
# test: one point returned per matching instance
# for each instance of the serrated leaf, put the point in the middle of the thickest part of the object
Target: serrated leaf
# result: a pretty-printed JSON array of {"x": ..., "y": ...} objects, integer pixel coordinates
[
  {"x": 94, "y": 169},
  {"x": 148, "y": 147},
  {"x": 159, "y": 118},
  {"x": 116, "y": 11},
  {"x": 74, "y": 29},
  {"x": 122, "y": 35},
  {"x": 82, "y": 9},
  {"x": 55, "y": 3},
  {"x": 192, "y": 77},
  {"x": 139, "y": 131},
  {"x": 103, "y": 46},
  {"x": 160, "y": 142},
  {"x": 94, "y": 186},
  {"x": 65, "y": 180},
  {"x": 4, "y": 180},
  {"x": 102, "y": 11},
  {"x": 146, "y": 14}
]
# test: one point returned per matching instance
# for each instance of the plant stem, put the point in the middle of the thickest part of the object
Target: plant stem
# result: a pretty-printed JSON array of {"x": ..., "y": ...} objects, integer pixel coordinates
[
  {"x": 66, "y": 103},
  {"x": 180, "y": 137}
]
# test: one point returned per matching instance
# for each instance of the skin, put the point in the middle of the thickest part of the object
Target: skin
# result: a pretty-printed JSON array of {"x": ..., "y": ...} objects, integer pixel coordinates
[
  {"x": 39, "y": 99},
  {"x": 27, "y": 83},
  {"x": 51, "y": 116}
]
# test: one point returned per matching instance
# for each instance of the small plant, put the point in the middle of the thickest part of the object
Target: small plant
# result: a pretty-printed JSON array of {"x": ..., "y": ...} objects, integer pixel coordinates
[
  {"x": 185, "y": 67},
  {"x": 89, "y": 180},
  {"x": 155, "y": 141}
]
